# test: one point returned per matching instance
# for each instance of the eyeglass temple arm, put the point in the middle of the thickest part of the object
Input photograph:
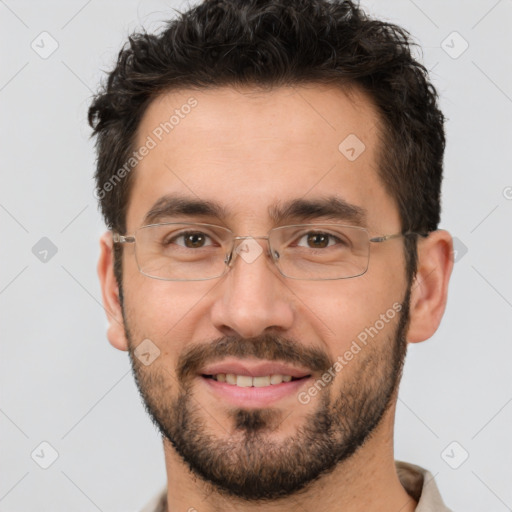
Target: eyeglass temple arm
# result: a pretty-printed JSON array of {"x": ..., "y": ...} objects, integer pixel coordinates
[
  {"x": 383, "y": 238},
  {"x": 122, "y": 239}
]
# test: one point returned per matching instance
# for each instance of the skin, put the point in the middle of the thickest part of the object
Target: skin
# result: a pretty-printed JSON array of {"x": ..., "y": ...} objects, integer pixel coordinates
[{"x": 248, "y": 149}]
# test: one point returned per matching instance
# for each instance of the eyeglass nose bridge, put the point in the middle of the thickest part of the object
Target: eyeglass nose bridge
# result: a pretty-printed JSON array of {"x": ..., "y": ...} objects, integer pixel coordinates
[{"x": 229, "y": 259}]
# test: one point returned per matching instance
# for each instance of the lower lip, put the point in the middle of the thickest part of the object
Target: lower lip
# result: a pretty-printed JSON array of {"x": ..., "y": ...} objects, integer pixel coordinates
[{"x": 252, "y": 396}]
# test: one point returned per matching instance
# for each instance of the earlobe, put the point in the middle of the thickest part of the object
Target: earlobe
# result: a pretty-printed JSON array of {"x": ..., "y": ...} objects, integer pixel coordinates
[
  {"x": 110, "y": 293},
  {"x": 429, "y": 291}
]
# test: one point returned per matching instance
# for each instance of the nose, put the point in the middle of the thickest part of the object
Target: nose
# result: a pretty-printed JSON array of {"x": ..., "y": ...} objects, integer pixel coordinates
[{"x": 253, "y": 296}]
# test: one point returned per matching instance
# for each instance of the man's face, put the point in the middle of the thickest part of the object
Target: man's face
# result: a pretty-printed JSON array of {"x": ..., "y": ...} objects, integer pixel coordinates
[{"x": 249, "y": 152}]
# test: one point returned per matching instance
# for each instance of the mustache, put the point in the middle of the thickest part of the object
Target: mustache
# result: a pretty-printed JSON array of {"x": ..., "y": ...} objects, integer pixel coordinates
[{"x": 267, "y": 346}]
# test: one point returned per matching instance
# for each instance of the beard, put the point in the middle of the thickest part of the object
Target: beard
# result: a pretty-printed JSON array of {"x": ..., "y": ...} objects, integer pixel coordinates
[{"x": 248, "y": 463}]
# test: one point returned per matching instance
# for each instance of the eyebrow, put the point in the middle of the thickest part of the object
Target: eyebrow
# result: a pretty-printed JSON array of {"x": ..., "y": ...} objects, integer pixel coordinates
[{"x": 296, "y": 210}]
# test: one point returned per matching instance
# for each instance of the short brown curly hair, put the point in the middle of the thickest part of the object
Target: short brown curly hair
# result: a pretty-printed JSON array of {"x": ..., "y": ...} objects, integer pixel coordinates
[{"x": 271, "y": 43}]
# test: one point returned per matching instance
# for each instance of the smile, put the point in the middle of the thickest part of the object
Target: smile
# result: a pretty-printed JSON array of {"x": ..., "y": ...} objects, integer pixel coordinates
[{"x": 246, "y": 381}]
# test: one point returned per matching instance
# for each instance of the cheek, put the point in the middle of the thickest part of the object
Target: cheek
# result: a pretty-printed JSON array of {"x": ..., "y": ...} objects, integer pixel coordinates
[
  {"x": 163, "y": 311},
  {"x": 340, "y": 312}
]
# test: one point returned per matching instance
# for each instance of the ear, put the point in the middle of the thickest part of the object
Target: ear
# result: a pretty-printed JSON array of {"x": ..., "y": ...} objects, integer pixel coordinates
[
  {"x": 429, "y": 291},
  {"x": 110, "y": 293}
]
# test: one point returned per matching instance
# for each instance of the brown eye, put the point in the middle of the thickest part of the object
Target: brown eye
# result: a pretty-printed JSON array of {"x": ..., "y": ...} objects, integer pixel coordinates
[
  {"x": 318, "y": 240},
  {"x": 190, "y": 240},
  {"x": 194, "y": 240}
]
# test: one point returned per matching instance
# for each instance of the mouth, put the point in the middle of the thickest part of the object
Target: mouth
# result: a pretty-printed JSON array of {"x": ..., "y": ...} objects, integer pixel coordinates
[
  {"x": 253, "y": 384},
  {"x": 246, "y": 381}
]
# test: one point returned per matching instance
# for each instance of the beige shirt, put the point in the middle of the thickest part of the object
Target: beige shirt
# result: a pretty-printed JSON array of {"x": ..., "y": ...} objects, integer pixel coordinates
[{"x": 418, "y": 482}]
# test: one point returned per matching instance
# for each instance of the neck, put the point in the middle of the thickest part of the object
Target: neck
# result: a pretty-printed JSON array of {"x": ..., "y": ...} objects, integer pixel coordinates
[{"x": 367, "y": 481}]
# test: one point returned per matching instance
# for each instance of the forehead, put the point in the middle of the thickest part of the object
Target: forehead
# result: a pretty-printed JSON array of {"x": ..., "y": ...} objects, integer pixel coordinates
[{"x": 249, "y": 150}]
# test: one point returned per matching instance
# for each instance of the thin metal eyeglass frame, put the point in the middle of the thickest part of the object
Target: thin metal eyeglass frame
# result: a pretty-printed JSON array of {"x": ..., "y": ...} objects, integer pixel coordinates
[{"x": 131, "y": 239}]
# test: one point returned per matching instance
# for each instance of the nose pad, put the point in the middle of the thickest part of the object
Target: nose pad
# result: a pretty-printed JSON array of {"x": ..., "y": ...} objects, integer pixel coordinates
[
  {"x": 229, "y": 258},
  {"x": 249, "y": 249}
]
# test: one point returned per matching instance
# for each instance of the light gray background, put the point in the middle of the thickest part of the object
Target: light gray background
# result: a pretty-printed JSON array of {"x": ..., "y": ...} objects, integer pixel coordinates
[{"x": 61, "y": 382}]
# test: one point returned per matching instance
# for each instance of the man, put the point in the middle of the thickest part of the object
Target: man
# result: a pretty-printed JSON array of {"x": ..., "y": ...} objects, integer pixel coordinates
[{"x": 270, "y": 174}]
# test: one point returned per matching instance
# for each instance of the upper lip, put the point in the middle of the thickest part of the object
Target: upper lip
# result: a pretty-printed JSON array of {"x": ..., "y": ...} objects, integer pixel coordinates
[{"x": 254, "y": 369}]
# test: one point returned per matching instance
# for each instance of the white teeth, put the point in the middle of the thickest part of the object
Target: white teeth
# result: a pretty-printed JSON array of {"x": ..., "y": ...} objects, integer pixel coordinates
[
  {"x": 259, "y": 382},
  {"x": 276, "y": 379},
  {"x": 245, "y": 381}
]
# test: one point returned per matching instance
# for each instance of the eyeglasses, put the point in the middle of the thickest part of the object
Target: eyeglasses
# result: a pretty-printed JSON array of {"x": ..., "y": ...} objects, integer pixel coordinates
[{"x": 197, "y": 252}]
